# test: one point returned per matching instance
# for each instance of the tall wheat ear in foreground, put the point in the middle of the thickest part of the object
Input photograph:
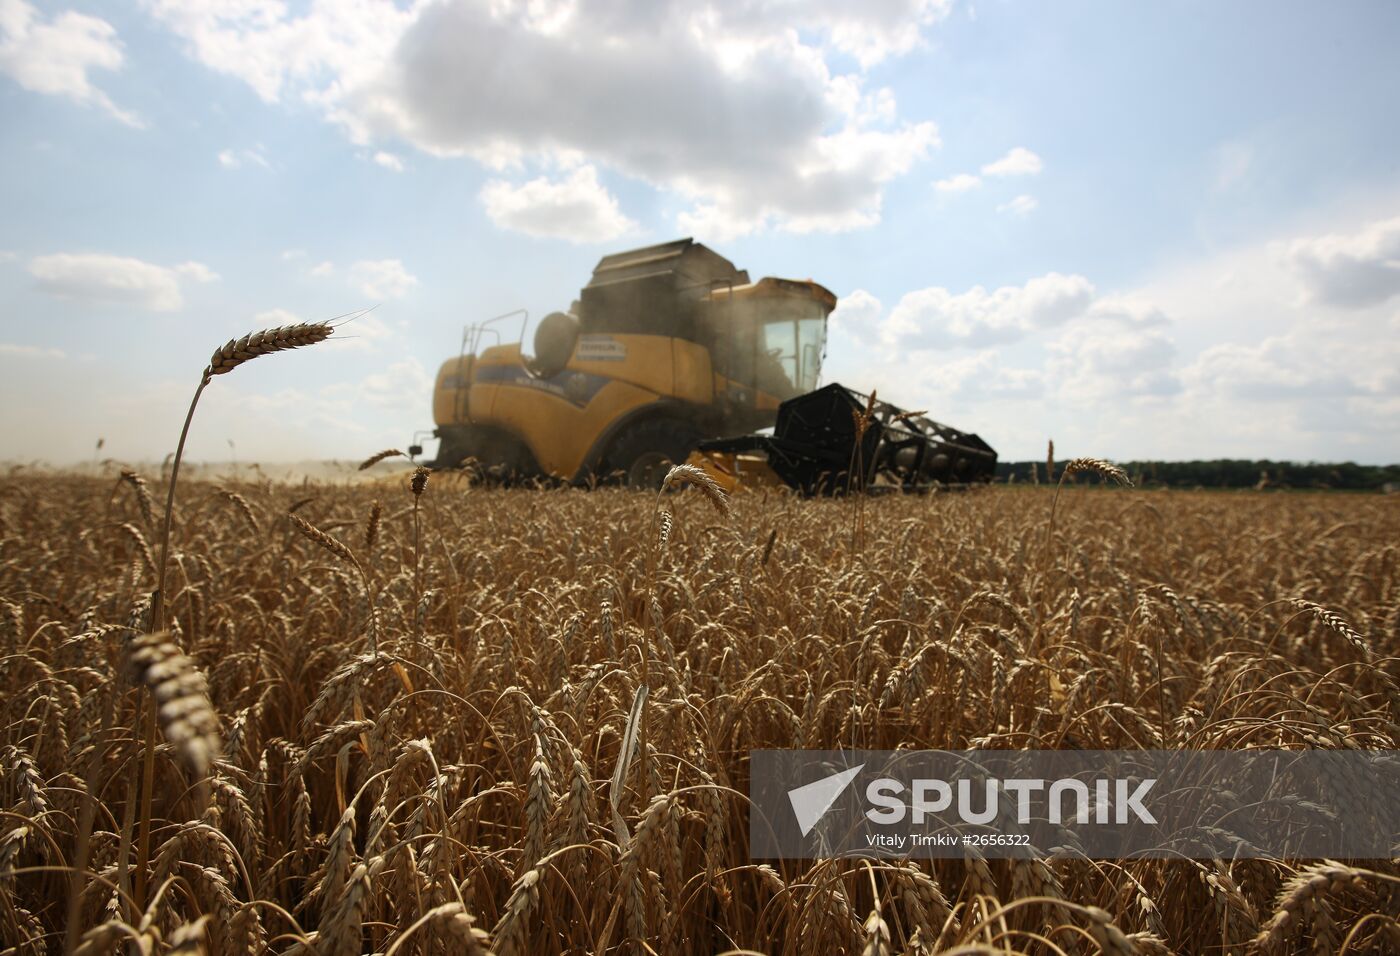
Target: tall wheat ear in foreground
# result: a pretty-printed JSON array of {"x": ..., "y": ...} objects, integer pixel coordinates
[
  {"x": 173, "y": 681},
  {"x": 546, "y": 749}
]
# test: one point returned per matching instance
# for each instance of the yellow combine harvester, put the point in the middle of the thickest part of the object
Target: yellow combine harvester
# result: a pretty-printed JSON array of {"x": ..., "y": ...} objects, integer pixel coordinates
[
  {"x": 665, "y": 346},
  {"x": 668, "y": 348}
]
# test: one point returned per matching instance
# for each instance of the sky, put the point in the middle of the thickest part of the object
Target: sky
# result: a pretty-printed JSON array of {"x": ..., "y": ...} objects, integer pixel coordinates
[{"x": 1145, "y": 231}]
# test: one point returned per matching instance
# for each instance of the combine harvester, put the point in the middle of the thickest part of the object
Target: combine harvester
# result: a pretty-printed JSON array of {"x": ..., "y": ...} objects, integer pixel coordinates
[{"x": 668, "y": 353}]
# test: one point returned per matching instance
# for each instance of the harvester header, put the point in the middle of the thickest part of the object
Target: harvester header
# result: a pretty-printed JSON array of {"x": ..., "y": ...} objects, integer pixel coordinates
[{"x": 835, "y": 440}]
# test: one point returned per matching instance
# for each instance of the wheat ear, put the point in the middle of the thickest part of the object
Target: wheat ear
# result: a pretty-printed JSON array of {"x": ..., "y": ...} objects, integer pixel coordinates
[
  {"x": 372, "y": 525},
  {"x": 1107, "y": 469},
  {"x": 328, "y": 542},
  {"x": 143, "y": 496},
  {"x": 700, "y": 479},
  {"x": 1074, "y": 466},
  {"x": 182, "y": 699},
  {"x": 224, "y": 360},
  {"x": 1336, "y": 623},
  {"x": 341, "y": 550},
  {"x": 377, "y": 457},
  {"x": 257, "y": 344}
]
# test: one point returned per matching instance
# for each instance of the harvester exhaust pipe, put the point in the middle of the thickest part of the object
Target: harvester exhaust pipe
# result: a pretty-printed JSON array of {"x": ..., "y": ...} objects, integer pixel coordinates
[{"x": 818, "y": 447}]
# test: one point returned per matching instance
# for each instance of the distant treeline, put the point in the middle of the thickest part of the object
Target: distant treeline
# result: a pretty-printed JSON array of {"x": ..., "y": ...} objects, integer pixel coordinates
[{"x": 1229, "y": 473}]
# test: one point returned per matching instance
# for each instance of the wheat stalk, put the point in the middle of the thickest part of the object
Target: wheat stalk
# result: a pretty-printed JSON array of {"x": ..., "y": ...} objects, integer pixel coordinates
[
  {"x": 417, "y": 484},
  {"x": 1074, "y": 466},
  {"x": 224, "y": 360}
]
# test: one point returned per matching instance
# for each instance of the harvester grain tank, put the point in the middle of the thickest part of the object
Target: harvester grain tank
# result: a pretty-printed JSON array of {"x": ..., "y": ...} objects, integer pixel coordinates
[{"x": 668, "y": 348}]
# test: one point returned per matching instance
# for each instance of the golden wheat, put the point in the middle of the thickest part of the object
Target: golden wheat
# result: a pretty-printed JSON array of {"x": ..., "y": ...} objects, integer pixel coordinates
[{"x": 500, "y": 773}]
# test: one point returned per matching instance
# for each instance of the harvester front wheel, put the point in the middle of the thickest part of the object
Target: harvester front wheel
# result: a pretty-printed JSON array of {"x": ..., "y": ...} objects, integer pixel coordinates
[{"x": 647, "y": 450}]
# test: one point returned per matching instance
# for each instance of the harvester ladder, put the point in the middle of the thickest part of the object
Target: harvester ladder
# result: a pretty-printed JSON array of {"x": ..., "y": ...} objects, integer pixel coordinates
[{"x": 471, "y": 344}]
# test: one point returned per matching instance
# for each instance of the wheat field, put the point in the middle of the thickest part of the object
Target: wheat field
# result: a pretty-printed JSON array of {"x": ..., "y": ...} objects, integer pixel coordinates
[{"x": 388, "y": 718}]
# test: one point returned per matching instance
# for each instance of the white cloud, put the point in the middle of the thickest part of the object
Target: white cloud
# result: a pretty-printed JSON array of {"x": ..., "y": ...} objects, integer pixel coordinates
[
  {"x": 1350, "y": 270},
  {"x": 238, "y": 158},
  {"x": 1093, "y": 358},
  {"x": 983, "y": 376},
  {"x": 960, "y": 183},
  {"x": 382, "y": 278},
  {"x": 30, "y": 351},
  {"x": 323, "y": 52},
  {"x": 870, "y": 31},
  {"x": 1106, "y": 361},
  {"x": 54, "y": 56},
  {"x": 786, "y": 136},
  {"x": 1216, "y": 358},
  {"x": 197, "y": 271},
  {"x": 835, "y": 188},
  {"x": 1013, "y": 383},
  {"x": 389, "y": 161},
  {"x": 402, "y": 386},
  {"x": 364, "y": 332},
  {"x": 857, "y": 313},
  {"x": 1279, "y": 368},
  {"x": 275, "y": 317},
  {"x": 1018, "y": 162},
  {"x": 114, "y": 280},
  {"x": 322, "y": 270},
  {"x": 1022, "y": 205},
  {"x": 937, "y": 318},
  {"x": 577, "y": 208},
  {"x": 289, "y": 254},
  {"x": 317, "y": 411},
  {"x": 1133, "y": 310}
]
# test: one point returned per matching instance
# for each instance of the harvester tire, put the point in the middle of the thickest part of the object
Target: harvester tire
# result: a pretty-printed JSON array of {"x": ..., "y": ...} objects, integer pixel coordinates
[{"x": 646, "y": 451}]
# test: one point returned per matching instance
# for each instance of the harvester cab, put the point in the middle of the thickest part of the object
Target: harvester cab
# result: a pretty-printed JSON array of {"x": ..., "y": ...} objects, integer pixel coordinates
[{"x": 665, "y": 346}]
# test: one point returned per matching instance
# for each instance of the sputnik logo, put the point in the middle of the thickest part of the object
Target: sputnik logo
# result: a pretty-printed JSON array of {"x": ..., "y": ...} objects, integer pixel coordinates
[{"x": 811, "y": 801}]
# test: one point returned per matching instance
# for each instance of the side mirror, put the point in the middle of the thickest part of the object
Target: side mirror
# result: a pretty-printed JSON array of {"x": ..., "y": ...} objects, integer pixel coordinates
[{"x": 415, "y": 450}]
